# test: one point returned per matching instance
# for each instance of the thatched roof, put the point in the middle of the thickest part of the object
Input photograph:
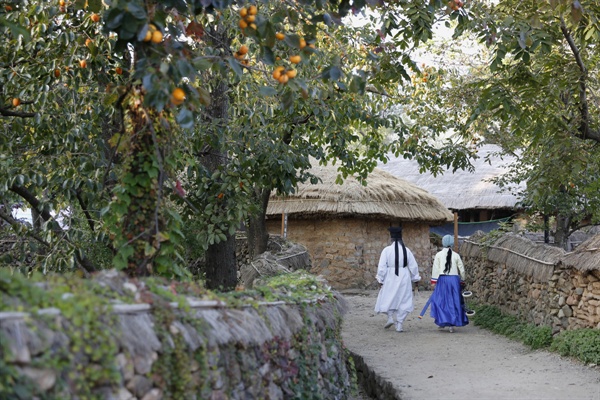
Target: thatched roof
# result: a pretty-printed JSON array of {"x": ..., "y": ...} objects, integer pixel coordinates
[
  {"x": 384, "y": 196},
  {"x": 586, "y": 256},
  {"x": 518, "y": 253},
  {"x": 461, "y": 190}
]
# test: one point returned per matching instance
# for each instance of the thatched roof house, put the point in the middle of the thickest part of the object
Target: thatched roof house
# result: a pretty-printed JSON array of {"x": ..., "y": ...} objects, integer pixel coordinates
[
  {"x": 345, "y": 226},
  {"x": 470, "y": 194}
]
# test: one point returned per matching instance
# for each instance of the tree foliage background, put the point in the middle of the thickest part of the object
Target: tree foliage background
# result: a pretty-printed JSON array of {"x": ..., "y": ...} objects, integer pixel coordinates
[
  {"x": 535, "y": 96},
  {"x": 159, "y": 127}
]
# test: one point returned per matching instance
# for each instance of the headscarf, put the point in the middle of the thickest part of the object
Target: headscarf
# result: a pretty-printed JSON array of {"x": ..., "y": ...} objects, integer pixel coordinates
[
  {"x": 396, "y": 234},
  {"x": 448, "y": 241}
]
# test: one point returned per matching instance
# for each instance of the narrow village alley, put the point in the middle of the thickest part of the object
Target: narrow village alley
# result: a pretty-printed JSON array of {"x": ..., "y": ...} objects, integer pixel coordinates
[{"x": 424, "y": 363}]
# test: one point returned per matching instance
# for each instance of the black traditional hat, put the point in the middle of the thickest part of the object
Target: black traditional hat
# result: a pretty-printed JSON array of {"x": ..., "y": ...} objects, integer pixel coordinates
[{"x": 395, "y": 232}]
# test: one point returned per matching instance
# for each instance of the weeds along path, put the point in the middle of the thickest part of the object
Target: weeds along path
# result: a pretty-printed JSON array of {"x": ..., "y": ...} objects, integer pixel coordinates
[{"x": 424, "y": 363}]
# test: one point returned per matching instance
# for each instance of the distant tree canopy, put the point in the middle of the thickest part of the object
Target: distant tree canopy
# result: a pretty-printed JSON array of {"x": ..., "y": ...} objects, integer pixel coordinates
[{"x": 538, "y": 99}]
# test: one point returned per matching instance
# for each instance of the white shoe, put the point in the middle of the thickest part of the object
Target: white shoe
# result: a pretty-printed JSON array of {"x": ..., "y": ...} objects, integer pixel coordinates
[
  {"x": 389, "y": 323},
  {"x": 451, "y": 330},
  {"x": 399, "y": 327}
]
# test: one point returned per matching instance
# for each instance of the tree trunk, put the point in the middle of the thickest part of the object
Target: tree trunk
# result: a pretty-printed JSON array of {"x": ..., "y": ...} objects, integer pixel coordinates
[
  {"x": 561, "y": 237},
  {"x": 143, "y": 219},
  {"x": 258, "y": 236},
  {"x": 221, "y": 265}
]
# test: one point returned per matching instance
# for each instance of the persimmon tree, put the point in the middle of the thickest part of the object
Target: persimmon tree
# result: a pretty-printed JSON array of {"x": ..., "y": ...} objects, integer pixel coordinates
[
  {"x": 54, "y": 140},
  {"x": 118, "y": 117}
]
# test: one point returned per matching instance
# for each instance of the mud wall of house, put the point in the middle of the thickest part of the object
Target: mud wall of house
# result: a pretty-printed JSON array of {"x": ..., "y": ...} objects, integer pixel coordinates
[
  {"x": 346, "y": 251},
  {"x": 568, "y": 299}
]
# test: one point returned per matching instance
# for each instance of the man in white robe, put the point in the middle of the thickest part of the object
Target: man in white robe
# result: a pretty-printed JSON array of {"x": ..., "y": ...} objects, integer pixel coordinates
[{"x": 396, "y": 271}]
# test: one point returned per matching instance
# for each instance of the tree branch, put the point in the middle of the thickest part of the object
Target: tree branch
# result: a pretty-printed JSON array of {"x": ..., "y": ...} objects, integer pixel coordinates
[
  {"x": 287, "y": 137},
  {"x": 8, "y": 113},
  {"x": 31, "y": 199},
  {"x": 584, "y": 127},
  {"x": 13, "y": 222},
  {"x": 45, "y": 214},
  {"x": 111, "y": 160},
  {"x": 83, "y": 206}
]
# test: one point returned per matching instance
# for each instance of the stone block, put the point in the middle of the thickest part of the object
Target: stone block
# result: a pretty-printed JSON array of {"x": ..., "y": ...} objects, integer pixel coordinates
[
  {"x": 43, "y": 378},
  {"x": 139, "y": 385},
  {"x": 567, "y": 311},
  {"x": 143, "y": 362},
  {"x": 124, "y": 394},
  {"x": 154, "y": 394},
  {"x": 572, "y": 300},
  {"x": 126, "y": 367}
]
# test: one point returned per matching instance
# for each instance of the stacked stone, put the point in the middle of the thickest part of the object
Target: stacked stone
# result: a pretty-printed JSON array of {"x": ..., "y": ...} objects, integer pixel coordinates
[
  {"x": 569, "y": 299},
  {"x": 270, "y": 351},
  {"x": 346, "y": 252},
  {"x": 578, "y": 299},
  {"x": 242, "y": 254}
]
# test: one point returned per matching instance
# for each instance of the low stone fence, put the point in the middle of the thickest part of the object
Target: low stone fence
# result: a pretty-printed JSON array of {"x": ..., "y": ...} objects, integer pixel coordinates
[
  {"x": 531, "y": 281},
  {"x": 115, "y": 338}
]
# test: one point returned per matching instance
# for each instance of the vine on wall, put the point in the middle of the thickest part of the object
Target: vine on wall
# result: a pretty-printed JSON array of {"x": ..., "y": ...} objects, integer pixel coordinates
[{"x": 83, "y": 339}]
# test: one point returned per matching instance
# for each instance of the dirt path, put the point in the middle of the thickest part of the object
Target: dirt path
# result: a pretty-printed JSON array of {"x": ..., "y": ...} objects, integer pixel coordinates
[{"x": 423, "y": 363}]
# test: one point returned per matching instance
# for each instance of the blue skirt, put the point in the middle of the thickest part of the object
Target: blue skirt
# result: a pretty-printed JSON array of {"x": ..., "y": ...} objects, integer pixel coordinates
[{"x": 447, "y": 303}]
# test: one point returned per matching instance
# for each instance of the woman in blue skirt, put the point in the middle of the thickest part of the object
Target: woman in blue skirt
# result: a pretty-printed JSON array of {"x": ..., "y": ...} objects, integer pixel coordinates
[{"x": 447, "y": 278}]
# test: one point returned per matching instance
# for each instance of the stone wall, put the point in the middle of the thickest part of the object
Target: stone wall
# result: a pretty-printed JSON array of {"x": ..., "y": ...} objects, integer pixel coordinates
[
  {"x": 541, "y": 291},
  {"x": 193, "y": 348},
  {"x": 346, "y": 251}
]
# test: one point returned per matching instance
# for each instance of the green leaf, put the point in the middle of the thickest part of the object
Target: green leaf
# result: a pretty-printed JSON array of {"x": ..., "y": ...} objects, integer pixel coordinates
[
  {"x": 288, "y": 99},
  {"x": 235, "y": 66},
  {"x": 16, "y": 30},
  {"x": 138, "y": 11},
  {"x": 202, "y": 63},
  {"x": 185, "y": 119},
  {"x": 204, "y": 96},
  {"x": 267, "y": 91}
]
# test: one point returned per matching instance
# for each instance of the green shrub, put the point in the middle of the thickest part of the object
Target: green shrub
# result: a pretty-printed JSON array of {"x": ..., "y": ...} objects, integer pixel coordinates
[
  {"x": 537, "y": 337},
  {"x": 583, "y": 344},
  {"x": 493, "y": 319}
]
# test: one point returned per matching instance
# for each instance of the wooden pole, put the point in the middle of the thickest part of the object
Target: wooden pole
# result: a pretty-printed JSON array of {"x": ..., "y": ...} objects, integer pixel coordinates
[
  {"x": 284, "y": 220},
  {"x": 455, "y": 231}
]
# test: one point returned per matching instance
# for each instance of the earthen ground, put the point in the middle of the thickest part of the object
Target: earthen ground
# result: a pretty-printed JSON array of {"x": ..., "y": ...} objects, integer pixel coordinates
[{"x": 424, "y": 363}]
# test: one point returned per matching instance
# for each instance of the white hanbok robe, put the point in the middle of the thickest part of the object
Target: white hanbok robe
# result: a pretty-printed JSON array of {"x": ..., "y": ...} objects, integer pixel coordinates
[{"x": 396, "y": 292}]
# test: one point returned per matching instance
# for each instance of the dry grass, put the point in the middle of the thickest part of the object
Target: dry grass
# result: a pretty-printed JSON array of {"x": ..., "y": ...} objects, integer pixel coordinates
[
  {"x": 384, "y": 196},
  {"x": 518, "y": 253},
  {"x": 586, "y": 256}
]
